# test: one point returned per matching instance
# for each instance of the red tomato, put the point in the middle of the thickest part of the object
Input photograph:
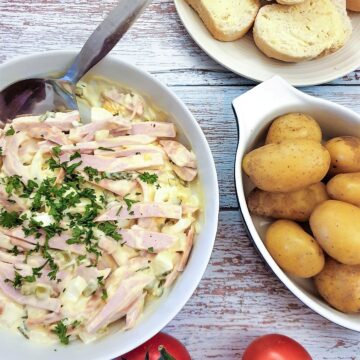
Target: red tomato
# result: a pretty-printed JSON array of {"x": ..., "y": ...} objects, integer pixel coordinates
[
  {"x": 172, "y": 346},
  {"x": 275, "y": 347}
]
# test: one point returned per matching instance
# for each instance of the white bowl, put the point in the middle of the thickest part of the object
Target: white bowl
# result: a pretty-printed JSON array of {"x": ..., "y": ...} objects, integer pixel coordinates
[
  {"x": 255, "y": 110},
  {"x": 14, "y": 347}
]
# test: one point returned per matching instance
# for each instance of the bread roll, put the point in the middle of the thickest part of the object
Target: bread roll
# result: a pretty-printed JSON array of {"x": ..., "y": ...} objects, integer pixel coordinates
[
  {"x": 227, "y": 20},
  {"x": 302, "y": 32}
]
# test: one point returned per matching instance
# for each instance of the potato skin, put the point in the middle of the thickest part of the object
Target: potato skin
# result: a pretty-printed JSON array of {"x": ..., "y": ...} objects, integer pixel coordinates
[
  {"x": 339, "y": 285},
  {"x": 345, "y": 187},
  {"x": 297, "y": 205},
  {"x": 345, "y": 154},
  {"x": 336, "y": 226},
  {"x": 293, "y": 126},
  {"x": 288, "y": 166},
  {"x": 294, "y": 250}
]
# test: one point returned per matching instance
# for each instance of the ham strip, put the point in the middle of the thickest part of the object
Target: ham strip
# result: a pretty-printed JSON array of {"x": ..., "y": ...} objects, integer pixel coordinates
[
  {"x": 50, "y": 304},
  {"x": 129, "y": 290},
  {"x": 63, "y": 121},
  {"x": 130, "y": 150},
  {"x": 184, "y": 173},
  {"x": 157, "y": 129},
  {"x": 141, "y": 239},
  {"x": 12, "y": 164},
  {"x": 135, "y": 311},
  {"x": 56, "y": 242},
  {"x": 110, "y": 143},
  {"x": 112, "y": 165},
  {"x": 142, "y": 210},
  {"x": 131, "y": 102},
  {"x": 188, "y": 246},
  {"x": 119, "y": 187},
  {"x": 89, "y": 130},
  {"x": 43, "y": 131},
  {"x": 17, "y": 204},
  {"x": 178, "y": 153}
]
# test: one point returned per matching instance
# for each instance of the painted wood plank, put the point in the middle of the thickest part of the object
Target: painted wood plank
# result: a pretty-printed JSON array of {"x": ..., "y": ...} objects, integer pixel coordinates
[
  {"x": 211, "y": 107},
  {"x": 239, "y": 299},
  {"x": 158, "y": 42}
]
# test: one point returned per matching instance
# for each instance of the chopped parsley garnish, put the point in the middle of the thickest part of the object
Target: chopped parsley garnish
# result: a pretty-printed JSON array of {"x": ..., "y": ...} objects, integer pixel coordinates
[
  {"x": 9, "y": 219},
  {"x": 92, "y": 173},
  {"x": 13, "y": 183},
  {"x": 56, "y": 150},
  {"x": 129, "y": 202},
  {"x": 10, "y": 132},
  {"x": 15, "y": 251},
  {"x": 17, "y": 282},
  {"x": 151, "y": 249},
  {"x": 60, "y": 330},
  {"x": 110, "y": 229},
  {"x": 75, "y": 155},
  {"x": 104, "y": 294},
  {"x": 1, "y": 151},
  {"x": 148, "y": 178},
  {"x": 105, "y": 149},
  {"x": 118, "y": 176}
]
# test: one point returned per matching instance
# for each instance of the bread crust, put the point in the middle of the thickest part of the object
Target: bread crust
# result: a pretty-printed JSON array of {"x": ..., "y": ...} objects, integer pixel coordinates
[
  {"x": 353, "y": 5},
  {"x": 212, "y": 26}
]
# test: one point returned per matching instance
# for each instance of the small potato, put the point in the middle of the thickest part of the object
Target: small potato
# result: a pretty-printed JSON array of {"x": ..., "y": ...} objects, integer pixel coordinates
[
  {"x": 345, "y": 187},
  {"x": 339, "y": 285},
  {"x": 345, "y": 154},
  {"x": 294, "y": 250},
  {"x": 288, "y": 166},
  {"x": 297, "y": 205},
  {"x": 336, "y": 227},
  {"x": 293, "y": 126}
]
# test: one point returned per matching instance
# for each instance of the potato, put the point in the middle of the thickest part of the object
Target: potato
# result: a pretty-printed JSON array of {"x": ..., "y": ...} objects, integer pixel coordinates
[
  {"x": 336, "y": 227},
  {"x": 339, "y": 285},
  {"x": 345, "y": 187},
  {"x": 288, "y": 166},
  {"x": 345, "y": 154},
  {"x": 294, "y": 250},
  {"x": 293, "y": 126},
  {"x": 297, "y": 205}
]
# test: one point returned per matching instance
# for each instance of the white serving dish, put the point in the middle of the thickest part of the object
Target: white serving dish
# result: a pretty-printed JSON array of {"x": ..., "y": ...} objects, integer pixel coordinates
[
  {"x": 157, "y": 316},
  {"x": 244, "y": 58},
  {"x": 255, "y": 110}
]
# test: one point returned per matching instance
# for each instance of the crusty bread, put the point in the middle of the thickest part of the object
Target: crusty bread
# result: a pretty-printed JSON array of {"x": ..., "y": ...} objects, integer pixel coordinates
[
  {"x": 302, "y": 32},
  {"x": 227, "y": 20},
  {"x": 353, "y": 5}
]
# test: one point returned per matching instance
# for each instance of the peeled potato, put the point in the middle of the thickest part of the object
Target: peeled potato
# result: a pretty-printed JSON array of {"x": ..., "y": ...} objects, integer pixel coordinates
[
  {"x": 336, "y": 226},
  {"x": 339, "y": 285},
  {"x": 293, "y": 126},
  {"x": 293, "y": 249},
  {"x": 287, "y": 166},
  {"x": 345, "y": 154},
  {"x": 345, "y": 187},
  {"x": 297, "y": 205}
]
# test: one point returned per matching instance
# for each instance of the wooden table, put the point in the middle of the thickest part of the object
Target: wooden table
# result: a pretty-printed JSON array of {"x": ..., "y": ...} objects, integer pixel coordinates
[{"x": 238, "y": 298}]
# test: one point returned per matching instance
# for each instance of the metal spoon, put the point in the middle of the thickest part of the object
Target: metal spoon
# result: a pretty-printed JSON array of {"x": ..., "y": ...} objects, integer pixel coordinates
[{"x": 36, "y": 96}]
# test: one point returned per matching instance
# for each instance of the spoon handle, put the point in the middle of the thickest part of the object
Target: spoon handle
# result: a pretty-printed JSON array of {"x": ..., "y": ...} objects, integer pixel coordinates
[{"x": 105, "y": 37}]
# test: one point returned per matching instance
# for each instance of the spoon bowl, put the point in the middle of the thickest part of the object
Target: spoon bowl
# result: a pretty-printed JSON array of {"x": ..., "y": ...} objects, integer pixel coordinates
[{"x": 38, "y": 95}]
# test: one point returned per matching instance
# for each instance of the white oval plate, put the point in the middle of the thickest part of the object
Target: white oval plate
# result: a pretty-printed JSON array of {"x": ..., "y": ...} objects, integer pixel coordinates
[{"x": 243, "y": 57}]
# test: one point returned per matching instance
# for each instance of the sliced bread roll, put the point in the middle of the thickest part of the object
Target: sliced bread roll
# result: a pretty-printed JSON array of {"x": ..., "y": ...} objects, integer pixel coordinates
[
  {"x": 302, "y": 32},
  {"x": 227, "y": 20},
  {"x": 353, "y": 5}
]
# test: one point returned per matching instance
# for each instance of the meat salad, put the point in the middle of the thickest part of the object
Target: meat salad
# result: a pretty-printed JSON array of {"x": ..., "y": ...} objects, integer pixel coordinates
[{"x": 97, "y": 218}]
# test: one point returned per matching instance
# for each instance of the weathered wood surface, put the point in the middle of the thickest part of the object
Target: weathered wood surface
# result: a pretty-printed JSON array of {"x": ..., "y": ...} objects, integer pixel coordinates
[{"x": 239, "y": 298}]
